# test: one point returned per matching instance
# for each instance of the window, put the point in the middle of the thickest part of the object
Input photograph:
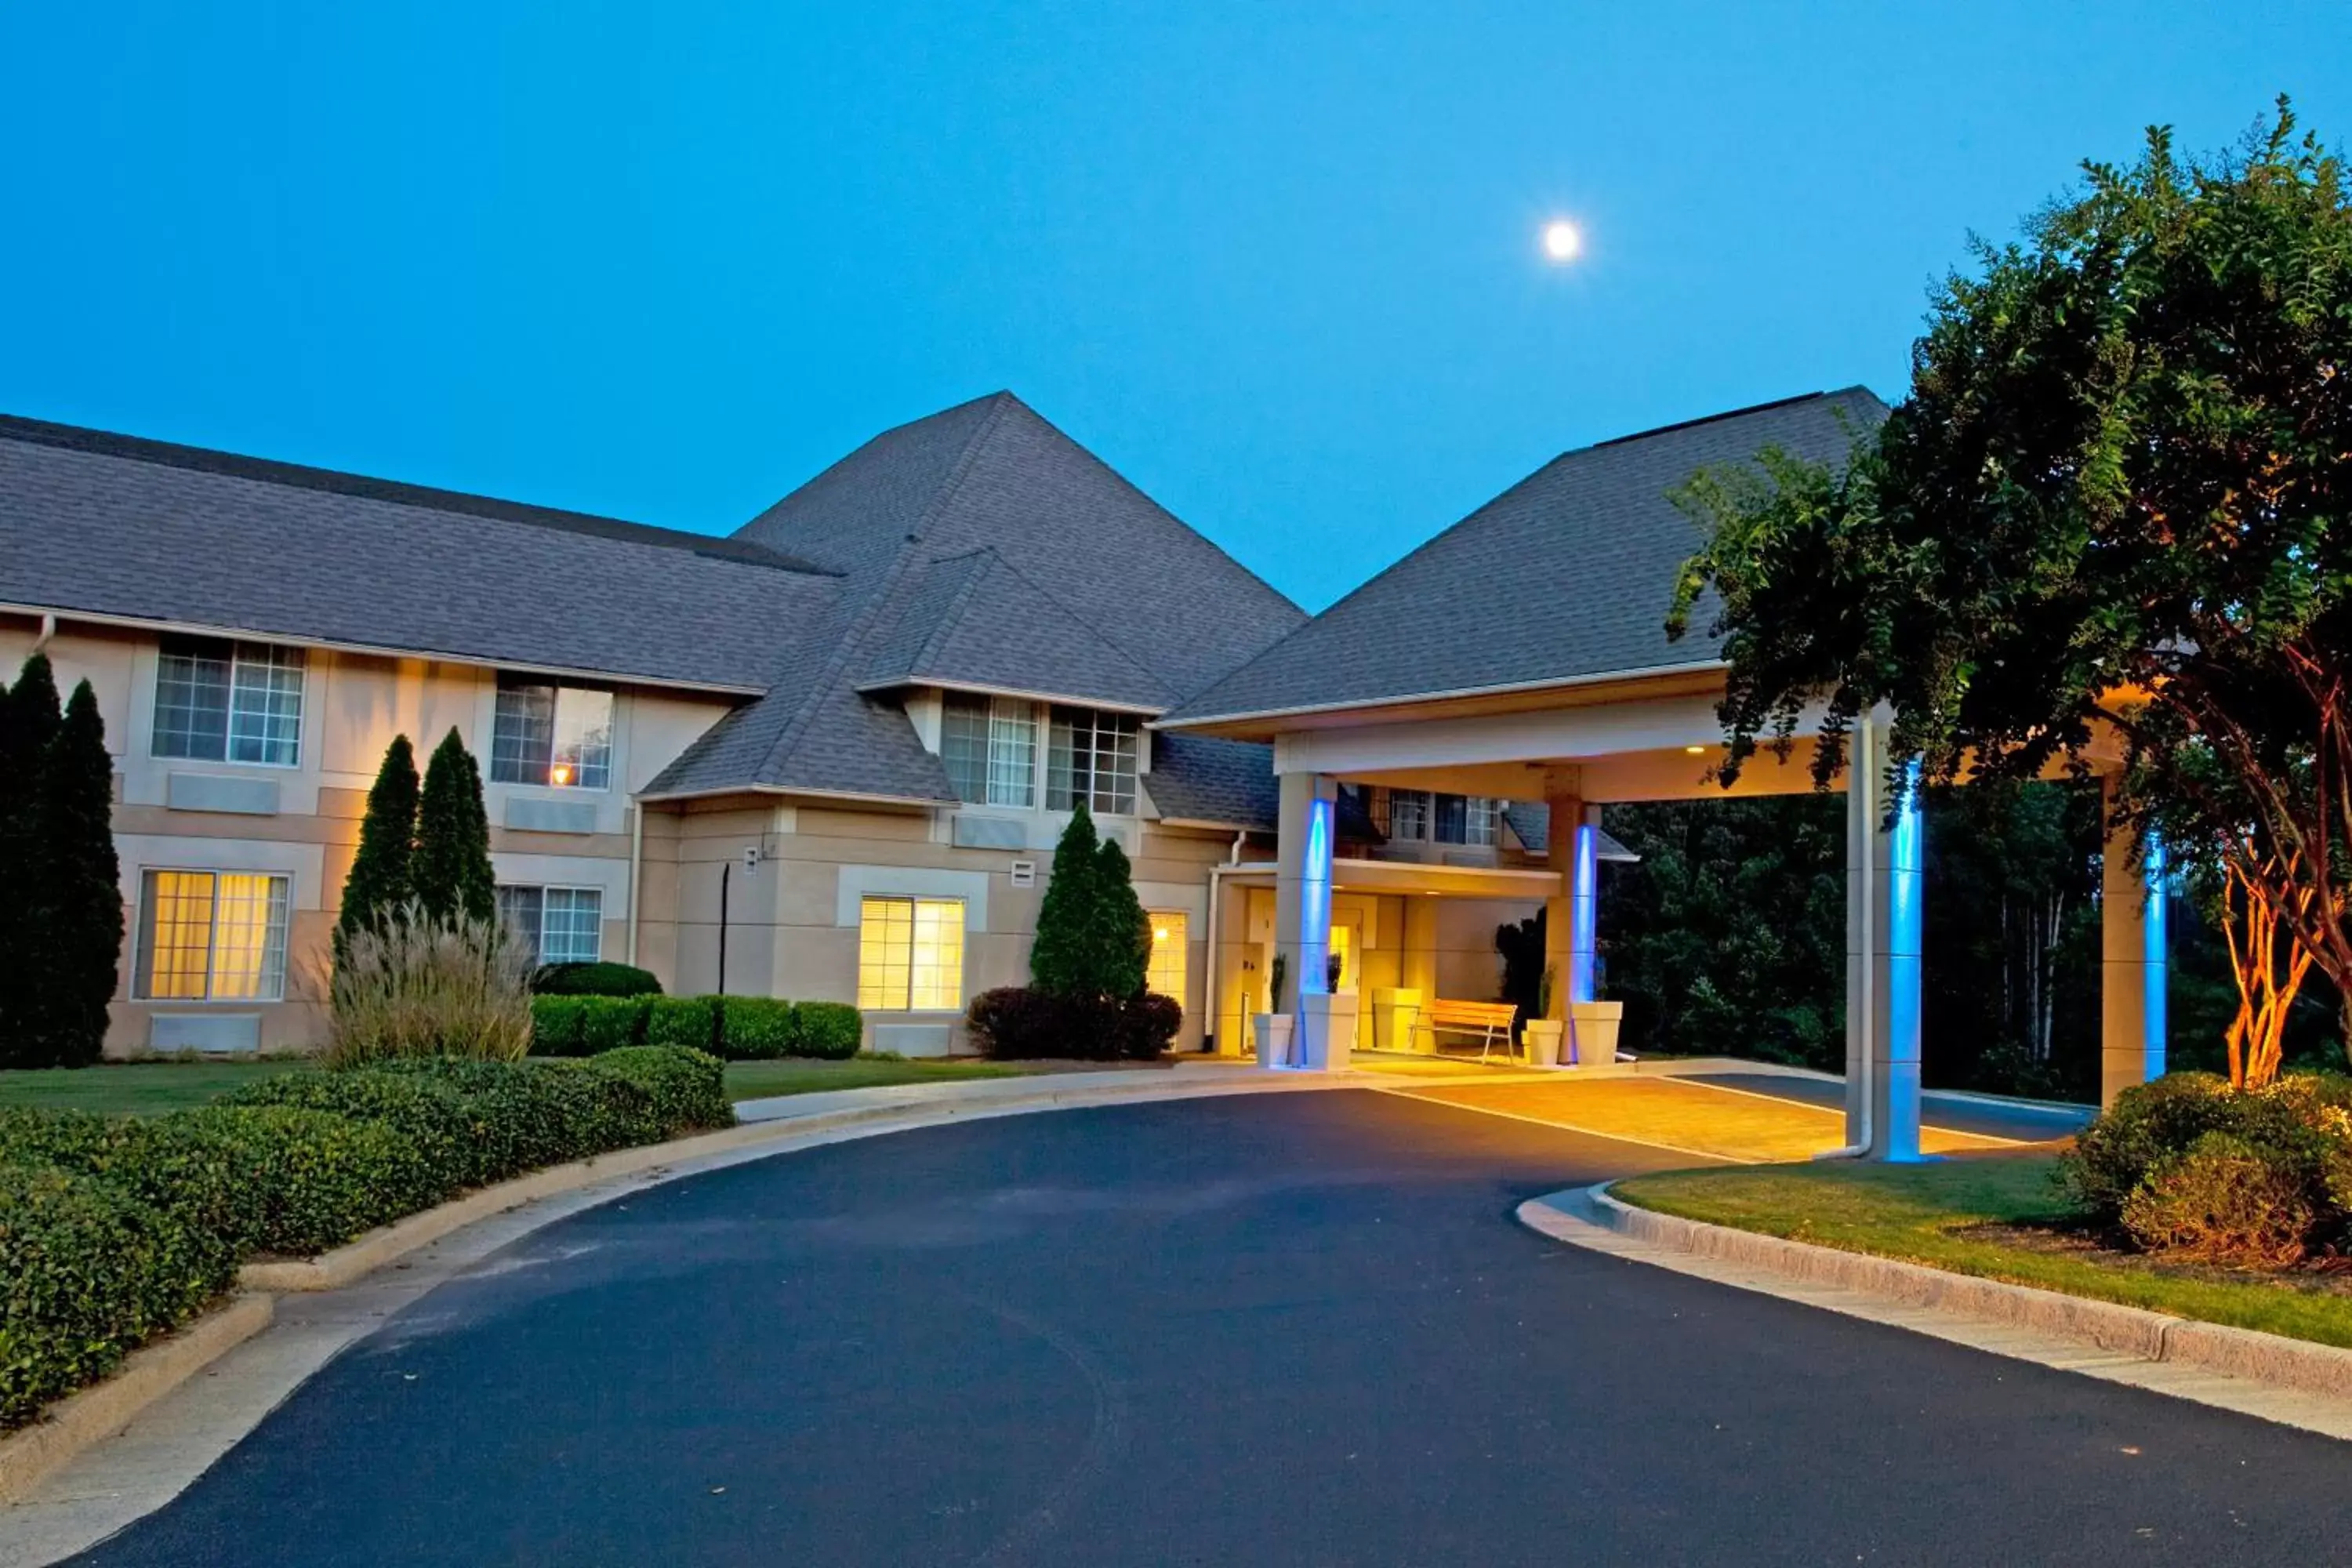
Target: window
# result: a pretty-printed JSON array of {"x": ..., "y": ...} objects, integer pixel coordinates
[
  {"x": 1465, "y": 819},
  {"x": 989, "y": 747},
  {"x": 562, "y": 925},
  {"x": 219, "y": 701},
  {"x": 213, "y": 936},
  {"x": 560, "y": 735},
  {"x": 1409, "y": 814},
  {"x": 1169, "y": 934},
  {"x": 1485, "y": 814},
  {"x": 1092, "y": 758},
  {"x": 910, "y": 954}
]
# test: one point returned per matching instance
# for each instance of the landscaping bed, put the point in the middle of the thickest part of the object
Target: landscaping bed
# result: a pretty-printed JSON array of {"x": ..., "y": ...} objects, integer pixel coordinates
[
  {"x": 115, "y": 1229},
  {"x": 1997, "y": 1217}
]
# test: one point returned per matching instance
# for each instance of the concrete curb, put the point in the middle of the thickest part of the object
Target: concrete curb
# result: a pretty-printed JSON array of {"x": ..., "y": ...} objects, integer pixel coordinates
[
  {"x": 146, "y": 1374},
  {"x": 2247, "y": 1354}
]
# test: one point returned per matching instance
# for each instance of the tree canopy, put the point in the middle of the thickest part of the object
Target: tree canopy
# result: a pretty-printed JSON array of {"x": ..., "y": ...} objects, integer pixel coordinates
[
  {"x": 2111, "y": 508},
  {"x": 450, "y": 872},
  {"x": 380, "y": 881}
]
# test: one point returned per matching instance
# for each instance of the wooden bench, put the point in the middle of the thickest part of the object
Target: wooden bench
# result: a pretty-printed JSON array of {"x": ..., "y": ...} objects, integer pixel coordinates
[{"x": 1490, "y": 1021}]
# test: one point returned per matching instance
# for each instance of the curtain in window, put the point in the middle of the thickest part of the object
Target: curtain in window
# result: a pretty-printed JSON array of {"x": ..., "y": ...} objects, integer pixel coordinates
[
  {"x": 910, "y": 954},
  {"x": 217, "y": 935}
]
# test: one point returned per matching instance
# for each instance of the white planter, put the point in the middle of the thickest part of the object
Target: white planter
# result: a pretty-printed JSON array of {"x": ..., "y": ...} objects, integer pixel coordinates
[
  {"x": 1594, "y": 1036},
  {"x": 1273, "y": 1033},
  {"x": 1540, "y": 1037},
  {"x": 1327, "y": 1033}
]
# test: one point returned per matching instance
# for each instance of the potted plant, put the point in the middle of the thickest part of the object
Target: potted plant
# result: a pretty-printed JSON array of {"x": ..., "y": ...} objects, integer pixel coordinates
[
  {"x": 1539, "y": 1035},
  {"x": 1273, "y": 1025}
]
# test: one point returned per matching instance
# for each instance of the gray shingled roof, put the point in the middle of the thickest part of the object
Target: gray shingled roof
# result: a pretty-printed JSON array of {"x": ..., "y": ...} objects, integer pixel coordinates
[
  {"x": 1226, "y": 783},
  {"x": 1566, "y": 574},
  {"x": 148, "y": 531},
  {"x": 1140, "y": 608},
  {"x": 1531, "y": 821}
]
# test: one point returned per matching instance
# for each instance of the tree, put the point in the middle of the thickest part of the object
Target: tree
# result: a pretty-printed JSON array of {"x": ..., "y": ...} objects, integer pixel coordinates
[
  {"x": 77, "y": 932},
  {"x": 28, "y": 720},
  {"x": 2110, "y": 506},
  {"x": 1063, "y": 959},
  {"x": 1122, "y": 939},
  {"x": 450, "y": 871},
  {"x": 381, "y": 879}
]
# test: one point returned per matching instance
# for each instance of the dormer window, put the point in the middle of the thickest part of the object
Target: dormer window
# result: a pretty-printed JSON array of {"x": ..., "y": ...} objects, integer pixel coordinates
[
  {"x": 548, "y": 734},
  {"x": 1091, "y": 757},
  {"x": 989, "y": 745}
]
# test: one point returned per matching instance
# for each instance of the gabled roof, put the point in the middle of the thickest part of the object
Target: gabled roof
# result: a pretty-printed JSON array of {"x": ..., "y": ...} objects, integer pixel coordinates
[
  {"x": 1566, "y": 576},
  {"x": 148, "y": 532},
  {"x": 979, "y": 547},
  {"x": 1215, "y": 783}
]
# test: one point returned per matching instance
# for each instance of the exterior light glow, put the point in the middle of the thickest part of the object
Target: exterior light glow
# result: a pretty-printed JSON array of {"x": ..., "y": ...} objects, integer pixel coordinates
[
  {"x": 1695, "y": 750},
  {"x": 560, "y": 774}
]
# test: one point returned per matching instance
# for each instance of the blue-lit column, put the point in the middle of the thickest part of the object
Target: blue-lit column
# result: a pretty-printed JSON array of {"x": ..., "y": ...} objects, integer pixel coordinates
[
  {"x": 1302, "y": 895},
  {"x": 1886, "y": 878},
  {"x": 1569, "y": 919},
  {"x": 2133, "y": 969}
]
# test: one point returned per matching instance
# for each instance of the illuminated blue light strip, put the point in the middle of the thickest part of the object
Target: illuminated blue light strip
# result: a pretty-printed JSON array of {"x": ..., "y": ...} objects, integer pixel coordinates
[
  {"x": 1315, "y": 900},
  {"x": 2154, "y": 967},
  {"x": 1583, "y": 907}
]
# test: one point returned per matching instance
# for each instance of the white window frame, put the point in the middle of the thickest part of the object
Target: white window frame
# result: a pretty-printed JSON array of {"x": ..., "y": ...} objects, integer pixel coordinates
[
  {"x": 250, "y": 699},
  {"x": 537, "y": 938},
  {"x": 591, "y": 761},
  {"x": 1007, "y": 741},
  {"x": 878, "y": 990},
  {"x": 1093, "y": 734},
  {"x": 276, "y": 929},
  {"x": 1412, "y": 815},
  {"x": 1170, "y": 950}
]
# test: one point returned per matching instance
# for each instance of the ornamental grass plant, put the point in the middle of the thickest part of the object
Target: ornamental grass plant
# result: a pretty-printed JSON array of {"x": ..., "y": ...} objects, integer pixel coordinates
[{"x": 409, "y": 985}]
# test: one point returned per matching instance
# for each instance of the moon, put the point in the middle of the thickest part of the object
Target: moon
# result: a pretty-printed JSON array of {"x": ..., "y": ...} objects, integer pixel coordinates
[{"x": 1562, "y": 241}]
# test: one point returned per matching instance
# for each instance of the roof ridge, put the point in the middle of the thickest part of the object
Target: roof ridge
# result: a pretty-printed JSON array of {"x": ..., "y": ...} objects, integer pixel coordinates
[
  {"x": 391, "y": 492},
  {"x": 1138, "y": 665},
  {"x": 861, "y": 625},
  {"x": 1694, "y": 424},
  {"x": 962, "y": 600}
]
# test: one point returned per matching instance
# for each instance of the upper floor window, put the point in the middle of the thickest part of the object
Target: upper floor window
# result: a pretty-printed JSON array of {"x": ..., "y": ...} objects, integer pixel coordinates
[
  {"x": 1092, "y": 758},
  {"x": 1418, "y": 815},
  {"x": 546, "y": 734},
  {"x": 1408, "y": 813},
  {"x": 989, "y": 747},
  {"x": 222, "y": 701}
]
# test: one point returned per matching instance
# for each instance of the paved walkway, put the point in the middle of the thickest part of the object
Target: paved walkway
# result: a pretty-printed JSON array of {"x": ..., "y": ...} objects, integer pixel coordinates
[{"x": 1284, "y": 1329}]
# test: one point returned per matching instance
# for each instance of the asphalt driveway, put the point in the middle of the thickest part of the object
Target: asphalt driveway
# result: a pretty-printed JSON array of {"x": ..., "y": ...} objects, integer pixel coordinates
[{"x": 1290, "y": 1329}]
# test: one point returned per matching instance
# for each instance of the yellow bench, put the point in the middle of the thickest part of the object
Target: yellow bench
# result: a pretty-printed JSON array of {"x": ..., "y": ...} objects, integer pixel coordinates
[{"x": 1490, "y": 1021}]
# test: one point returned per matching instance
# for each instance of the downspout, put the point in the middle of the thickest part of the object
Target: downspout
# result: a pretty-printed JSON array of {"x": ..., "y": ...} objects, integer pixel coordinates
[
  {"x": 48, "y": 630},
  {"x": 637, "y": 872},
  {"x": 1215, "y": 952}
]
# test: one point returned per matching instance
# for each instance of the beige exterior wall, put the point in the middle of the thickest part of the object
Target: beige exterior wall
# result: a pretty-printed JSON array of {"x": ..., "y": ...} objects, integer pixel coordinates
[{"x": 302, "y": 822}]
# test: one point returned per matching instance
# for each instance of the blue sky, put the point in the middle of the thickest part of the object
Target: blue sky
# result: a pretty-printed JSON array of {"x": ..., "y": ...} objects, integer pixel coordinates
[{"x": 1275, "y": 263}]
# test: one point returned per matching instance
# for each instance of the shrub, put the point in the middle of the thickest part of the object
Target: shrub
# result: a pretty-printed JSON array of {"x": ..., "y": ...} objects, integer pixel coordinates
[
  {"x": 2224, "y": 1200},
  {"x": 608, "y": 1023},
  {"x": 756, "y": 1028},
  {"x": 434, "y": 1124},
  {"x": 531, "y": 1113},
  {"x": 410, "y": 986},
  {"x": 2155, "y": 1123},
  {"x": 88, "y": 1272},
  {"x": 1149, "y": 1025},
  {"x": 1015, "y": 1022},
  {"x": 690, "y": 1023},
  {"x": 297, "y": 1182},
  {"x": 830, "y": 1031},
  {"x": 555, "y": 1024},
  {"x": 595, "y": 980},
  {"x": 1018, "y": 1022},
  {"x": 687, "y": 1088}
]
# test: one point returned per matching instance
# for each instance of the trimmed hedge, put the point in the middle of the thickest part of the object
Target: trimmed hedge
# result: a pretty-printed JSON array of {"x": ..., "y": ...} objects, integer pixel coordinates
[
  {"x": 593, "y": 980},
  {"x": 608, "y": 1023},
  {"x": 757, "y": 1028},
  {"x": 737, "y": 1028},
  {"x": 690, "y": 1023},
  {"x": 830, "y": 1031},
  {"x": 114, "y": 1230},
  {"x": 555, "y": 1025},
  {"x": 1021, "y": 1022}
]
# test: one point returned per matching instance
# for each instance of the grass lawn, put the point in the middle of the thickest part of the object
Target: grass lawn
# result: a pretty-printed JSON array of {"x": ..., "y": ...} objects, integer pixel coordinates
[
  {"x": 757, "y": 1080},
  {"x": 1923, "y": 1214},
  {"x": 149, "y": 1089}
]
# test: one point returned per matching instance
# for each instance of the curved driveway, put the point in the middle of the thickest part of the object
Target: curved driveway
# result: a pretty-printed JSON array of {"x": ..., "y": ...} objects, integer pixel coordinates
[{"x": 1294, "y": 1330}]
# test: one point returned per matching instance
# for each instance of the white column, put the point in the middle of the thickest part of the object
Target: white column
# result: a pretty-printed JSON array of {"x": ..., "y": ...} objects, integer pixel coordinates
[
  {"x": 1302, "y": 912},
  {"x": 2132, "y": 971},
  {"x": 1569, "y": 919},
  {"x": 1886, "y": 873}
]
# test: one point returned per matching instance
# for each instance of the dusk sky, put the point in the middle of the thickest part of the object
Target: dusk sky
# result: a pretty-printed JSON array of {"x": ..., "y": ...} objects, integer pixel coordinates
[{"x": 1278, "y": 264}]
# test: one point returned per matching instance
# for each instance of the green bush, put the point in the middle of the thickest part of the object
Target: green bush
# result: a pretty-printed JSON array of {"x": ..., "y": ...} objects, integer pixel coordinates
[
  {"x": 531, "y": 1113},
  {"x": 593, "y": 980},
  {"x": 2225, "y": 1200},
  {"x": 303, "y": 1182},
  {"x": 830, "y": 1031},
  {"x": 2152, "y": 1123},
  {"x": 688, "y": 1088},
  {"x": 555, "y": 1025},
  {"x": 756, "y": 1028},
  {"x": 1014, "y": 1023},
  {"x": 434, "y": 1124},
  {"x": 87, "y": 1272},
  {"x": 608, "y": 1023},
  {"x": 690, "y": 1023}
]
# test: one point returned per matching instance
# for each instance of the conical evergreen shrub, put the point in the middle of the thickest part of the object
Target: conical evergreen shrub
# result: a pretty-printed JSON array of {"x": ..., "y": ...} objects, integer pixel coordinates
[
  {"x": 28, "y": 720},
  {"x": 450, "y": 871},
  {"x": 381, "y": 882},
  {"x": 1063, "y": 961},
  {"x": 1122, "y": 944},
  {"x": 77, "y": 940}
]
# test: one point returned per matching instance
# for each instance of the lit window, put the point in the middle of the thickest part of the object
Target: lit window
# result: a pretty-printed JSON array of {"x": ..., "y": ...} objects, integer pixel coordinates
[
  {"x": 1169, "y": 936},
  {"x": 910, "y": 954},
  {"x": 219, "y": 701},
  {"x": 545, "y": 735},
  {"x": 562, "y": 925},
  {"x": 213, "y": 936},
  {"x": 1092, "y": 758},
  {"x": 1409, "y": 814},
  {"x": 989, "y": 747}
]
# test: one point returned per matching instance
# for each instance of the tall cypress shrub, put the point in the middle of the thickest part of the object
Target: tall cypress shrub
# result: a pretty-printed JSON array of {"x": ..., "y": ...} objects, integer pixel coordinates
[
  {"x": 381, "y": 879},
  {"x": 77, "y": 940},
  {"x": 450, "y": 871},
  {"x": 1062, "y": 960},
  {"x": 28, "y": 720},
  {"x": 1122, "y": 944}
]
